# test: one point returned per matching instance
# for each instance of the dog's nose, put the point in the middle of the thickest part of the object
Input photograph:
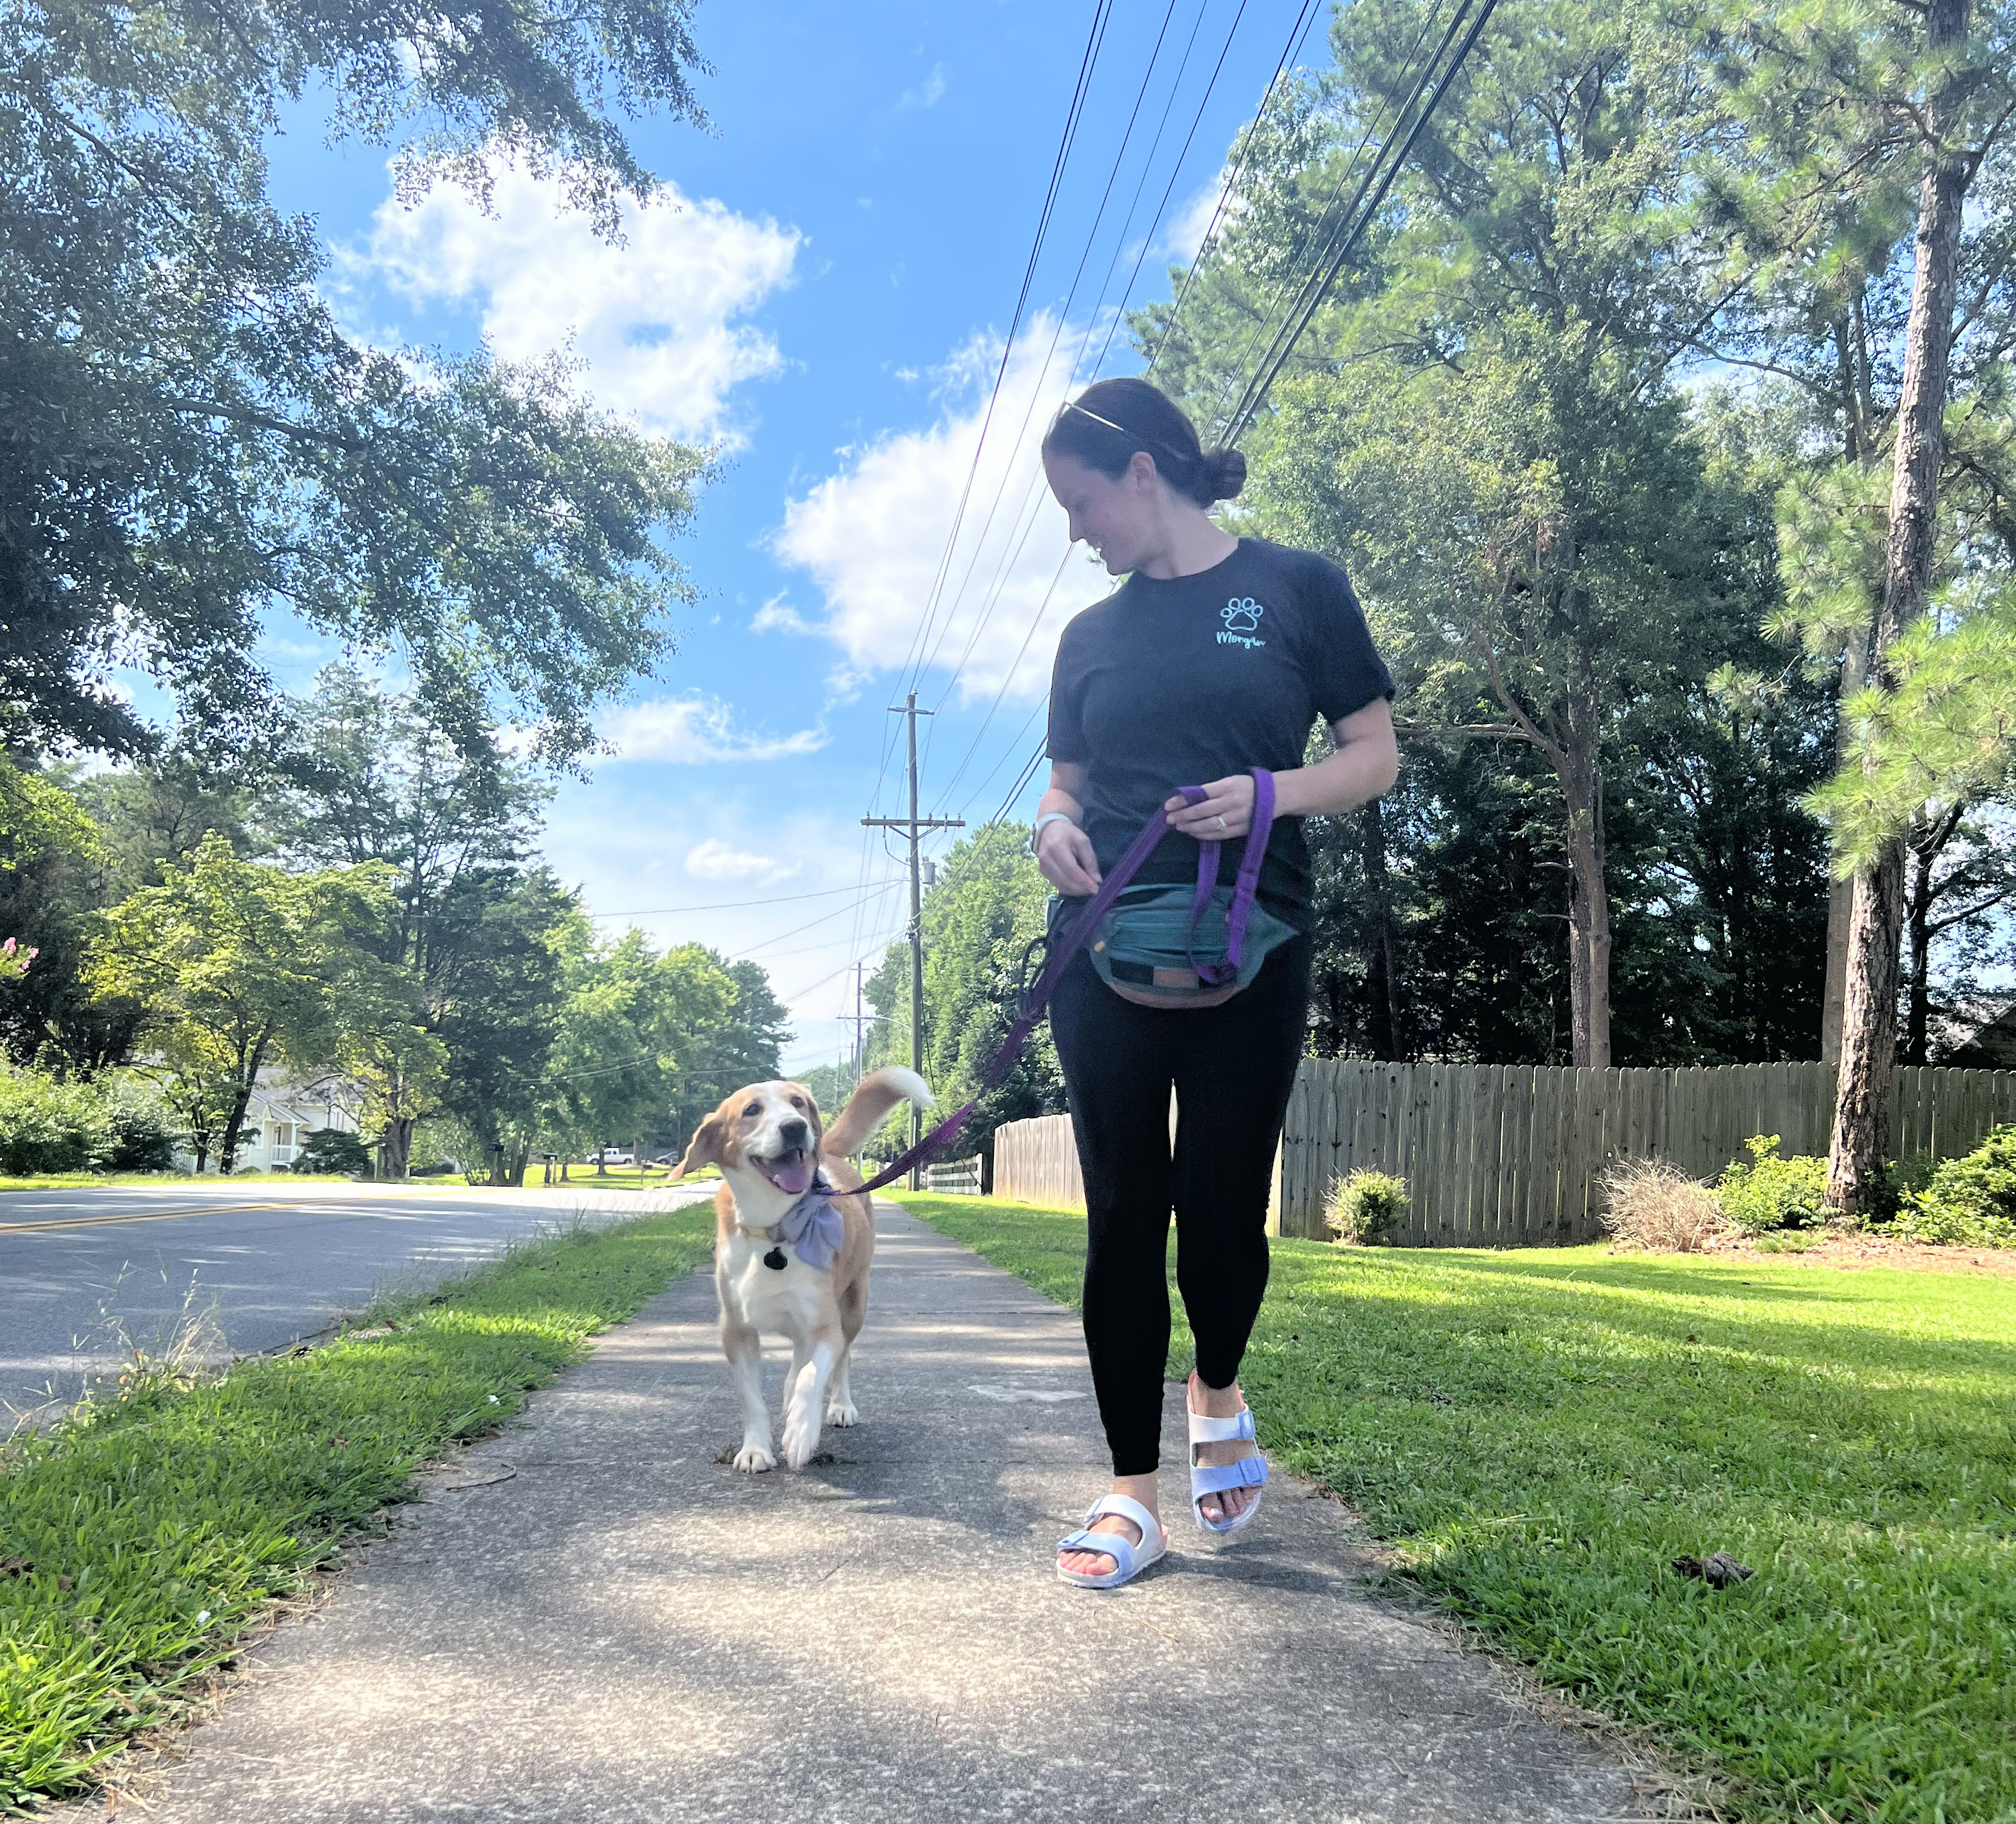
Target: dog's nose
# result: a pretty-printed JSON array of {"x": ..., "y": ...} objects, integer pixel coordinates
[{"x": 795, "y": 1133}]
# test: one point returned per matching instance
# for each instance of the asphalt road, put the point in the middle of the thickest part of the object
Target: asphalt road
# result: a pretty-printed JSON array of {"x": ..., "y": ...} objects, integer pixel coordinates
[{"x": 87, "y": 1276}]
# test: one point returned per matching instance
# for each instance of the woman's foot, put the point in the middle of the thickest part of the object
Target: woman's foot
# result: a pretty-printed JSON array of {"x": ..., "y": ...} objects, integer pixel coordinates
[
  {"x": 1220, "y": 1403},
  {"x": 1141, "y": 1488}
]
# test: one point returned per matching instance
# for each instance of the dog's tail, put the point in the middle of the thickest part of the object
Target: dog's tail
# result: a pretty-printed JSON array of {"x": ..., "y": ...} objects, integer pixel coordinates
[{"x": 870, "y": 1106}]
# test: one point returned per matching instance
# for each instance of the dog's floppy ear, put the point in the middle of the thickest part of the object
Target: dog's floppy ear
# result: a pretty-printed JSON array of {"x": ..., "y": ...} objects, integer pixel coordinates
[{"x": 705, "y": 1147}]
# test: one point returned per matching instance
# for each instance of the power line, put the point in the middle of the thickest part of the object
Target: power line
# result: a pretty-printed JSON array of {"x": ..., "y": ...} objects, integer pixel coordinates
[
  {"x": 1102, "y": 15},
  {"x": 874, "y": 893},
  {"x": 660, "y": 911},
  {"x": 1322, "y": 232},
  {"x": 1297, "y": 32},
  {"x": 1007, "y": 564},
  {"x": 1256, "y": 391}
]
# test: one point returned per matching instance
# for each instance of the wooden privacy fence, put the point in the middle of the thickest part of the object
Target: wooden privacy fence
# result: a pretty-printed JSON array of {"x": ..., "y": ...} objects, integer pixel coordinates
[
  {"x": 1036, "y": 1162},
  {"x": 1513, "y": 1157}
]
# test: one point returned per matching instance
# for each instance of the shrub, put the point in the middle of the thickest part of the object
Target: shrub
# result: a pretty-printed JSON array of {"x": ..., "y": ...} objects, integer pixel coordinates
[
  {"x": 138, "y": 1134},
  {"x": 1653, "y": 1206},
  {"x": 1892, "y": 1185},
  {"x": 334, "y": 1149},
  {"x": 1366, "y": 1207},
  {"x": 1971, "y": 1202},
  {"x": 47, "y": 1124},
  {"x": 1764, "y": 1191}
]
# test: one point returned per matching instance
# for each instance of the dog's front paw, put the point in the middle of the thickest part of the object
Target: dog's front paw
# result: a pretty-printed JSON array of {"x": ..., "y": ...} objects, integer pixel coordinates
[
  {"x": 843, "y": 1412},
  {"x": 800, "y": 1442},
  {"x": 754, "y": 1457}
]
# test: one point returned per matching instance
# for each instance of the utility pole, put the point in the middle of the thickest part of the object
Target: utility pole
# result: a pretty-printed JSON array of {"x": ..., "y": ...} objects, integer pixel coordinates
[
  {"x": 916, "y": 825},
  {"x": 859, "y": 1022}
]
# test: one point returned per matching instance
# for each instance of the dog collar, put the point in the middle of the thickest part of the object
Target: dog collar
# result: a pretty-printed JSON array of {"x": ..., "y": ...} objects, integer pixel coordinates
[{"x": 812, "y": 1228}]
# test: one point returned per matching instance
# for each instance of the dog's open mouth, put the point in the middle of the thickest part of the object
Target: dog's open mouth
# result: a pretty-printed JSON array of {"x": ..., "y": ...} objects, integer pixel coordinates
[{"x": 790, "y": 1172}]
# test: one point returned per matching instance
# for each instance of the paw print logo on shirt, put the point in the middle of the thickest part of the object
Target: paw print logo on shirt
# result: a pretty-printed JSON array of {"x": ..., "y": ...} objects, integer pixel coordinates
[{"x": 1242, "y": 616}]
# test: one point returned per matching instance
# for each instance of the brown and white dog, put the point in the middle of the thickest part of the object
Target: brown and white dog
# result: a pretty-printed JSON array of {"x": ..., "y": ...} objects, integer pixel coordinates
[{"x": 770, "y": 1145}]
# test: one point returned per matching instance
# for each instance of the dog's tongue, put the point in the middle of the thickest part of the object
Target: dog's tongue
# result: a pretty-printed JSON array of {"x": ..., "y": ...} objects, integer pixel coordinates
[{"x": 793, "y": 1176}]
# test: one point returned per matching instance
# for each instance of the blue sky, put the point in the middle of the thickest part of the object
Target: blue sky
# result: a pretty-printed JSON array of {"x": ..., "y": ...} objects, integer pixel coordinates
[{"x": 828, "y": 299}]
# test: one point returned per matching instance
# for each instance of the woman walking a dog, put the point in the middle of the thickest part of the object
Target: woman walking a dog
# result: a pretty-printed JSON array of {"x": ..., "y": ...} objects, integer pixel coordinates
[{"x": 1206, "y": 667}]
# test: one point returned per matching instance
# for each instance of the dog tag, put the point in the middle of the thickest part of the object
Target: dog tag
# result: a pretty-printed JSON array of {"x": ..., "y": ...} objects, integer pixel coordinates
[{"x": 775, "y": 1258}]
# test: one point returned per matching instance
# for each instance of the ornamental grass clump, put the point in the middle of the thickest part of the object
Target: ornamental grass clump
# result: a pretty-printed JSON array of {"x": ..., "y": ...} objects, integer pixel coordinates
[
  {"x": 1651, "y": 1206},
  {"x": 1970, "y": 1201},
  {"x": 1765, "y": 1193},
  {"x": 1366, "y": 1207}
]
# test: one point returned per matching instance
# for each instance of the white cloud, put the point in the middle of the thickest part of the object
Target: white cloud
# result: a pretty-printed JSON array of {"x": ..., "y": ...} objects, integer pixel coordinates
[
  {"x": 778, "y": 615},
  {"x": 717, "y": 860},
  {"x": 928, "y": 93},
  {"x": 656, "y": 319},
  {"x": 696, "y": 731},
  {"x": 873, "y": 535},
  {"x": 1184, "y": 232}
]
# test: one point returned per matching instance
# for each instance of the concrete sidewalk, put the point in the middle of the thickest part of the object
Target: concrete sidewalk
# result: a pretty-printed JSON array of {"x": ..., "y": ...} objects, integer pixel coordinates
[{"x": 625, "y": 1629}]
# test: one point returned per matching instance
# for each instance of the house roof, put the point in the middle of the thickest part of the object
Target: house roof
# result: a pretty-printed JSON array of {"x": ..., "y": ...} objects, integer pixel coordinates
[{"x": 1991, "y": 1047}]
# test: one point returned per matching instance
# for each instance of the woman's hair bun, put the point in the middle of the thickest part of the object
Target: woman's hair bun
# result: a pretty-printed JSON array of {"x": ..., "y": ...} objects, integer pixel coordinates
[{"x": 1223, "y": 471}]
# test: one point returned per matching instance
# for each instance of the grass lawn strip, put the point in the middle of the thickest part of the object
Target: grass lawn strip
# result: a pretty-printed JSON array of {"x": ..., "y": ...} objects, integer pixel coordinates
[
  {"x": 141, "y": 1539},
  {"x": 1538, "y": 1432}
]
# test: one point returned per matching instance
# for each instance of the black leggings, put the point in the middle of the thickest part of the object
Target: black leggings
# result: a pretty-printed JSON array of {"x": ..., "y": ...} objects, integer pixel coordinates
[{"x": 1232, "y": 1067}]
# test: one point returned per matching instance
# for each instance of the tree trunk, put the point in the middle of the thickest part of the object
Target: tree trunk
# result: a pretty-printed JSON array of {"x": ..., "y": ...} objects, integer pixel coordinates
[
  {"x": 601, "y": 1164},
  {"x": 395, "y": 1147},
  {"x": 1841, "y": 893},
  {"x": 1589, "y": 908},
  {"x": 227, "y": 1148},
  {"x": 1868, "y": 1026},
  {"x": 1388, "y": 1034},
  {"x": 1861, "y": 1099},
  {"x": 1918, "y": 903}
]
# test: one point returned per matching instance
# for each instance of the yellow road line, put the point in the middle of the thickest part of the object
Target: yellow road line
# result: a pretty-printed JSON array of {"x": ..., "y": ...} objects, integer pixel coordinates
[{"x": 136, "y": 1216}]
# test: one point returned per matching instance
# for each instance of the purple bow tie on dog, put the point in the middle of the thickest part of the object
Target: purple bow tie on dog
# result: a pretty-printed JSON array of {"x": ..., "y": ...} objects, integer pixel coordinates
[{"x": 814, "y": 1227}]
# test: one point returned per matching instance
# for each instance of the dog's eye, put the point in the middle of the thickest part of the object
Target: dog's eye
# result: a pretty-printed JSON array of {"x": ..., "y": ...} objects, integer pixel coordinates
[
  {"x": 754, "y": 1108},
  {"x": 798, "y": 1101}
]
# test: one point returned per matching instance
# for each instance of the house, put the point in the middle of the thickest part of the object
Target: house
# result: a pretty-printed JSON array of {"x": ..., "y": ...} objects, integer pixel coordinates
[
  {"x": 1991, "y": 1046},
  {"x": 279, "y": 1117}
]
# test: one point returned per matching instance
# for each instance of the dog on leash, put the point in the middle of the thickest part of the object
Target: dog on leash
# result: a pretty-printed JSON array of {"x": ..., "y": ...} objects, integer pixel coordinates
[{"x": 793, "y": 1249}]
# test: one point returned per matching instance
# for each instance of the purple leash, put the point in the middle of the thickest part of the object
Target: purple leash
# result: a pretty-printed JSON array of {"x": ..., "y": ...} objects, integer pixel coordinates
[{"x": 939, "y": 1140}]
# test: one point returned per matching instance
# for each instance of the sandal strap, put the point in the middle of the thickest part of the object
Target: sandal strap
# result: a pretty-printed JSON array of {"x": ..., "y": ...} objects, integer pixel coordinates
[
  {"x": 1236, "y": 1430},
  {"x": 1216, "y": 1478},
  {"x": 1116, "y": 1546},
  {"x": 1128, "y": 1508}
]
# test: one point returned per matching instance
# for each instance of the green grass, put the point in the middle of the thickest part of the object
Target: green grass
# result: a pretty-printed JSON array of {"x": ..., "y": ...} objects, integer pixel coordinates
[
  {"x": 1538, "y": 1432},
  {"x": 158, "y": 1528}
]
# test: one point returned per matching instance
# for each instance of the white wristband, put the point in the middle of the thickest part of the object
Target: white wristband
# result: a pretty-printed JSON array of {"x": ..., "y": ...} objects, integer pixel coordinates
[{"x": 1036, "y": 835}]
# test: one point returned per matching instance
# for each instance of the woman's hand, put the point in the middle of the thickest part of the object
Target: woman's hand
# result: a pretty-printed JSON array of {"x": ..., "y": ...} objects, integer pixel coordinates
[
  {"x": 1224, "y": 811},
  {"x": 1064, "y": 854}
]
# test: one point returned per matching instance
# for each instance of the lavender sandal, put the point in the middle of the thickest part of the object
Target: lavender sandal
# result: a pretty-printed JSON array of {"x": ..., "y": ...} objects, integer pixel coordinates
[
  {"x": 1129, "y": 1558},
  {"x": 1216, "y": 1478}
]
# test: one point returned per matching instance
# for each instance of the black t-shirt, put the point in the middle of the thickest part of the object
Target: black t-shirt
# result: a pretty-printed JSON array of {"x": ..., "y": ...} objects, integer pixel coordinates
[{"x": 1184, "y": 680}]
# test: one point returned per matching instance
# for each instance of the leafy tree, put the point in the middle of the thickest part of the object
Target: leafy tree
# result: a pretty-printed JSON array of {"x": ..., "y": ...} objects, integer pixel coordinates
[
  {"x": 237, "y": 964},
  {"x": 1924, "y": 90},
  {"x": 52, "y": 858},
  {"x": 192, "y": 438},
  {"x": 647, "y": 1042},
  {"x": 155, "y": 811},
  {"x": 367, "y": 777},
  {"x": 1483, "y": 424},
  {"x": 500, "y": 1017},
  {"x": 980, "y": 919}
]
